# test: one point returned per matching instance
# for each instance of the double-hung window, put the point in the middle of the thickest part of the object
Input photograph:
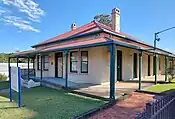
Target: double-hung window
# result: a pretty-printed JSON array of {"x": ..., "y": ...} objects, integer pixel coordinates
[
  {"x": 46, "y": 62},
  {"x": 73, "y": 61},
  {"x": 38, "y": 62},
  {"x": 84, "y": 62}
]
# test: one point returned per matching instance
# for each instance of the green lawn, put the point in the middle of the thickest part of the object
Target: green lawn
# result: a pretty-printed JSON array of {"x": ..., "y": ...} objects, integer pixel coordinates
[
  {"x": 45, "y": 103},
  {"x": 160, "y": 88},
  {"x": 4, "y": 85}
]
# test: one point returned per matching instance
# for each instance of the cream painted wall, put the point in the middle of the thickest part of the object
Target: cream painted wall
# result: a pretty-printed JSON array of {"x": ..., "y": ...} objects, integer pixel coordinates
[
  {"x": 51, "y": 71},
  {"x": 98, "y": 60},
  {"x": 99, "y": 65}
]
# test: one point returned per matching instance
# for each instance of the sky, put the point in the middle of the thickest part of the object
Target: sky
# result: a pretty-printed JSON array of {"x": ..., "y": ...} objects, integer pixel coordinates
[{"x": 24, "y": 23}]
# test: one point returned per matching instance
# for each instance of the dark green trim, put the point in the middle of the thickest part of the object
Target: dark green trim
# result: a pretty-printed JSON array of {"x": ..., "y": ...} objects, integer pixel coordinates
[
  {"x": 44, "y": 68},
  {"x": 155, "y": 68},
  {"x": 38, "y": 61},
  {"x": 140, "y": 69},
  {"x": 66, "y": 76},
  {"x": 28, "y": 63},
  {"x": 166, "y": 68},
  {"x": 112, "y": 48},
  {"x": 10, "y": 81},
  {"x": 56, "y": 64},
  {"x": 72, "y": 71},
  {"x": 41, "y": 67},
  {"x": 84, "y": 61}
]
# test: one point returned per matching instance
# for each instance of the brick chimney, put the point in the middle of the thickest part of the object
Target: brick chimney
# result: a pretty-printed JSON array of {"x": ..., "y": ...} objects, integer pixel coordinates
[
  {"x": 116, "y": 20},
  {"x": 73, "y": 26}
]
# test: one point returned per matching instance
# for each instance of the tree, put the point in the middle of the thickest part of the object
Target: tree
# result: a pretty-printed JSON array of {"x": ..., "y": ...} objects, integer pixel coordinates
[{"x": 104, "y": 19}]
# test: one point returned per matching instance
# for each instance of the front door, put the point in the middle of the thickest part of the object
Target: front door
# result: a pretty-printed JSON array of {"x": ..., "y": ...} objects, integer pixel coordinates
[
  {"x": 59, "y": 65},
  {"x": 119, "y": 65},
  {"x": 149, "y": 65},
  {"x": 135, "y": 66}
]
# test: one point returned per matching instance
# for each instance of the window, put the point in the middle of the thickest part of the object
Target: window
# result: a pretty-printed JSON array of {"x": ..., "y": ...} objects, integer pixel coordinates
[
  {"x": 38, "y": 62},
  {"x": 46, "y": 62},
  {"x": 84, "y": 62},
  {"x": 73, "y": 61},
  {"x": 159, "y": 64}
]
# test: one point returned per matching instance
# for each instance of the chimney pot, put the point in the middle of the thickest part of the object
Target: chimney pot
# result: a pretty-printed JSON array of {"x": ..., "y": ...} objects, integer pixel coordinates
[
  {"x": 73, "y": 26},
  {"x": 116, "y": 20}
]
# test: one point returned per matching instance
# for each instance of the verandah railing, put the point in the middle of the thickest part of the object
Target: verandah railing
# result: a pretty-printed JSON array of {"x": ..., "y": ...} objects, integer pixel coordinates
[
  {"x": 163, "y": 108},
  {"x": 24, "y": 73}
]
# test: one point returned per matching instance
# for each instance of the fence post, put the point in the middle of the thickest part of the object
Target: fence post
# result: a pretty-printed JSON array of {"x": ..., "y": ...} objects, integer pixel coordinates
[{"x": 148, "y": 110}]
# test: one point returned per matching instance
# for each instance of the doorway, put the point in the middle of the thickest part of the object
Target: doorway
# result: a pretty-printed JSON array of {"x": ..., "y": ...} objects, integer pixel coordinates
[
  {"x": 119, "y": 65},
  {"x": 135, "y": 65},
  {"x": 59, "y": 65}
]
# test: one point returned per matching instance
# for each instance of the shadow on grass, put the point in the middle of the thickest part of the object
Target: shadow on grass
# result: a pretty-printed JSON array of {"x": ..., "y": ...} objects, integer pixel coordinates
[
  {"x": 50, "y": 103},
  {"x": 9, "y": 108}
]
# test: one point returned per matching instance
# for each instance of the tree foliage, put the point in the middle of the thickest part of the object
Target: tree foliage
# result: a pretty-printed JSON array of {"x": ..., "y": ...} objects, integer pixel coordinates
[
  {"x": 104, "y": 19},
  {"x": 4, "y": 58}
]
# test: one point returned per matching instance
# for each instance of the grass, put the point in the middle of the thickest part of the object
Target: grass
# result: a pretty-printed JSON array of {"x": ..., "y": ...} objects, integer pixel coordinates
[
  {"x": 4, "y": 85},
  {"x": 45, "y": 103},
  {"x": 160, "y": 88}
]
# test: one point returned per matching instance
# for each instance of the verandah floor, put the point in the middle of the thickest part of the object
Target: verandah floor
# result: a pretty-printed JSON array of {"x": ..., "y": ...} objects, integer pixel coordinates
[{"x": 103, "y": 90}]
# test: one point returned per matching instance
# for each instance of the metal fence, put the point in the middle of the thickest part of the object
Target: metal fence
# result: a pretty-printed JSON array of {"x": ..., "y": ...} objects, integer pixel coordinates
[{"x": 163, "y": 108}]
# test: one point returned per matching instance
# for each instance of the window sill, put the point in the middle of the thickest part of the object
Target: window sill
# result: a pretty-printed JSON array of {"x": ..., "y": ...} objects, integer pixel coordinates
[
  {"x": 84, "y": 72},
  {"x": 73, "y": 72}
]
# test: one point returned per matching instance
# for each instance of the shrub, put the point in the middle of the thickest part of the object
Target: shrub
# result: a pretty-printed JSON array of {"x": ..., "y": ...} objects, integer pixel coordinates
[{"x": 3, "y": 77}]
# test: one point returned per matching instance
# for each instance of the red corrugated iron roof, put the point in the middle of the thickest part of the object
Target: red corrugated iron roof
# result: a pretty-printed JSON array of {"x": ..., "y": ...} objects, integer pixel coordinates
[
  {"x": 76, "y": 44},
  {"x": 79, "y": 44},
  {"x": 90, "y": 27},
  {"x": 22, "y": 53},
  {"x": 64, "y": 46}
]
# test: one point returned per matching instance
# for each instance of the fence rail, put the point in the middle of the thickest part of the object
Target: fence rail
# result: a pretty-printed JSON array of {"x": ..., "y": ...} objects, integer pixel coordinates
[{"x": 163, "y": 108}]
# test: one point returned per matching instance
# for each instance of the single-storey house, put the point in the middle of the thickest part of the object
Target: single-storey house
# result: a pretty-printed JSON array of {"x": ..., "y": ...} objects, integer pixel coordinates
[{"x": 96, "y": 53}]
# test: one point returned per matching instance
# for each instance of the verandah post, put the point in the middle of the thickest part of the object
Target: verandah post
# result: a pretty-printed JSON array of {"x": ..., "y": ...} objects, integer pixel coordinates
[
  {"x": 34, "y": 65},
  {"x": 66, "y": 76},
  {"x": 140, "y": 69},
  {"x": 41, "y": 67},
  {"x": 28, "y": 61},
  {"x": 166, "y": 68},
  {"x": 172, "y": 67},
  {"x": 9, "y": 69},
  {"x": 155, "y": 67},
  {"x": 112, "y": 48},
  {"x": 17, "y": 61}
]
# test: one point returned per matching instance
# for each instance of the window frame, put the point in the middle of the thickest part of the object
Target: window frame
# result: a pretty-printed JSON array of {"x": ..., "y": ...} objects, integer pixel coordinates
[
  {"x": 159, "y": 64},
  {"x": 84, "y": 61},
  {"x": 44, "y": 62},
  {"x": 73, "y": 71},
  {"x": 38, "y": 62}
]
